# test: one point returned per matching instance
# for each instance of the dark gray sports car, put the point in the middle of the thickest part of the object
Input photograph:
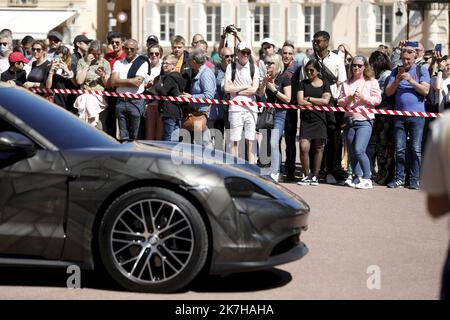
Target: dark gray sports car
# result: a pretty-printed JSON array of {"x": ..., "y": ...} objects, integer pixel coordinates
[{"x": 70, "y": 194}]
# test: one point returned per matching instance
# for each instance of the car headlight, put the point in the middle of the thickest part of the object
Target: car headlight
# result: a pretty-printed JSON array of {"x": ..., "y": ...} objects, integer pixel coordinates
[{"x": 243, "y": 188}]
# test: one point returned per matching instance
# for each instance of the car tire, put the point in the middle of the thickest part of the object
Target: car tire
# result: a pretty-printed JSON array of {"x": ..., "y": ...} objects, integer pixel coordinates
[{"x": 152, "y": 240}]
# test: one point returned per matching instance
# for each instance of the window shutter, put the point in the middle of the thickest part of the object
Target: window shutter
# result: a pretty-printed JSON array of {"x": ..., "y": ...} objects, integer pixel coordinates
[
  {"x": 181, "y": 26},
  {"x": 226, "y": 12},
  {"x": 152, "y": 20},
  {"x": 367, "y": 25},
  {"x": 198, "y": 20},
  {"x": 295, "y": 20},
  {"x": 276, "y": 27},
  {"x": 243, "y": 21}
]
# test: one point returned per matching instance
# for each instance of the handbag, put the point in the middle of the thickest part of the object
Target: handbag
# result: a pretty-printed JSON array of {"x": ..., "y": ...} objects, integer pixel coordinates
[
  {"x": 195, "y": 121},
  {"x": 266, "y": 119}
]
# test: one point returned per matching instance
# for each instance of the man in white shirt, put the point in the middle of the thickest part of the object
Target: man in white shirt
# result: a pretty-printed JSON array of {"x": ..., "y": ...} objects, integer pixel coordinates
[
  {"x": 242, "y": 88},
  {"x": 128, "y": 77}
]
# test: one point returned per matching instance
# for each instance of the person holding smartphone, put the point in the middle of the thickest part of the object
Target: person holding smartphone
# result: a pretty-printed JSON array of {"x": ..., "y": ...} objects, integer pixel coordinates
[
  {"x": 410, "y": 84},
  {"x": 441, "y": 84},
  {"x": 93, "y": 73}
]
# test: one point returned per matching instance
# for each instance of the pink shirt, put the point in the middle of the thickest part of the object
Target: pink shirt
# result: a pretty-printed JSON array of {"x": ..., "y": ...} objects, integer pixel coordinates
[{"x": 369, "y": 89}]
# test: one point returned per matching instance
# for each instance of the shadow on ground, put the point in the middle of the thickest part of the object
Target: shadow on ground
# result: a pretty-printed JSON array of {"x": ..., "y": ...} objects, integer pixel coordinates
[{"x": 57, "y": 278}]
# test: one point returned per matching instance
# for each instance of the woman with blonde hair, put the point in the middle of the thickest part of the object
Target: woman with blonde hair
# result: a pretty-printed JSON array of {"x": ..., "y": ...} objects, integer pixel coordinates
[
  {"x": 360, "y": 90},
  {"x": 61, "y": 77},
  {"x": 276, "y": 89}
]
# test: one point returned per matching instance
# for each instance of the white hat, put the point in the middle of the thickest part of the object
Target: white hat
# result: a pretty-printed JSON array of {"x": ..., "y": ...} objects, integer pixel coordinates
[
  {"x": 269, "y": 41},
  {"x": 244, "y": 45}
]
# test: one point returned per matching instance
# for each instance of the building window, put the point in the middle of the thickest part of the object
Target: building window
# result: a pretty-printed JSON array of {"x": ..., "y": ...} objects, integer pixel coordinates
[
  {"x": 312, "y": 21},
  {"x": 167, "y": 14},
  {"x": 213, "y": 24},
  {"x": 262, "y": 23},
  {"x": 383, "y": 28}
]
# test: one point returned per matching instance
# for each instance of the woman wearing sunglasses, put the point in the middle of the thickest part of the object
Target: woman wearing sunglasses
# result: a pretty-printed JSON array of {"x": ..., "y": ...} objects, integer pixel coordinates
[
  {"x": 313, "y": 91},
  {"x": 277, "y": 89},
  {"x": 360, "y": 91},
  {"x": 154, "y": 125},
  {"x": 40, "y": 67}
]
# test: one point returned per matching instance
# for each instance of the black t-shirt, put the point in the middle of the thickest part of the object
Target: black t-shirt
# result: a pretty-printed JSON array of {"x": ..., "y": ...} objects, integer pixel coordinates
[
  {"x": 313, "y": 92},
  {"x": 281, "y": 82},
  {"x": 19, "y": 77},
  {"x": 39, "y": 73}
]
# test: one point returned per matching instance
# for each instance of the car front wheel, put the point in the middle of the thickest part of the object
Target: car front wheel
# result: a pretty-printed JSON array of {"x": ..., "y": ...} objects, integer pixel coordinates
[{"x": 152, "y": 240}]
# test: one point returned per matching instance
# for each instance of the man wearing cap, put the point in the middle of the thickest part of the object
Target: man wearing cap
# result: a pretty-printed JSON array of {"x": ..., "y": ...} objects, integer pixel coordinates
[
  {"x": 81, "y": 46},
  {"x": 55, "y": 40},
  {"x": 152, "y": 40},
  {"x": 242, "y": 88},
  {"x": 15, "y": 74}
]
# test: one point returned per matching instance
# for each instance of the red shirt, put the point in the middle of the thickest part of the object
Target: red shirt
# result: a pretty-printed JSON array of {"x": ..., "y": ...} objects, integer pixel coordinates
[{"x": 112, "y": 58}]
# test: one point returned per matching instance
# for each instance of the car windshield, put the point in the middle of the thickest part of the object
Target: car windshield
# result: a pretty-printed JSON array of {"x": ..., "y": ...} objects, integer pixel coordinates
[{"x": 59, "y": 126}]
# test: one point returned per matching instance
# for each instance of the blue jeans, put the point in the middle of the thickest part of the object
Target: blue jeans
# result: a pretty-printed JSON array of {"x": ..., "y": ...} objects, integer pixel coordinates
[
  {"x": 405, "y": 127},
  {"x": 275, "y": 136},
  {"x": 171, "y": 129},
  {"x": 129, "y": 114},
  {"x": 358, "y": 137}
]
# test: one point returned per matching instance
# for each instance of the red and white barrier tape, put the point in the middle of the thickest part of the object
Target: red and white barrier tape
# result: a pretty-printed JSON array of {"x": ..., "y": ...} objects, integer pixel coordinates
[{"x": 239, "y": 103}]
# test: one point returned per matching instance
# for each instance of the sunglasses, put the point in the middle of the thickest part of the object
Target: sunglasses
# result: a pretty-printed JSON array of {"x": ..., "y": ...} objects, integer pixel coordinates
[
  {"x": 310, "y": 70},
  {"x": 54, "y": 40},
  {"x": 227, "y": 56},
  {"x": 36, "y": 49},
  {"x": 357, "y": 66},
  {"x": 3, "y": 43},
  {"x": 245, "y": 53},
  {"x": 269, "y": 63},
  {"x": 154, "y": 54}
]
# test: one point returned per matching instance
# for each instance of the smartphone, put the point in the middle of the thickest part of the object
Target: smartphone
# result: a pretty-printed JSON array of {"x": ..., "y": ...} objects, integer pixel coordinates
[
  {"x": 401, "y": 68},
  {"x": 438, "y": 47},
  {"x": 56, "y": 58},
  {"x": 414, "y": 44}
]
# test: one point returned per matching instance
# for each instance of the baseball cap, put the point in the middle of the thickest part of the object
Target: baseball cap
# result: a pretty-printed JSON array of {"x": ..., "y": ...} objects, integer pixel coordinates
[
  {"x": 152, "y": 38},
  {"x": 244, "y": 46},
  {"x": 55, "y": 34},
  {"x": 269, "y": 41},
  {"x": 82, "y": 38},
  {"x": 18, "y": 57}
]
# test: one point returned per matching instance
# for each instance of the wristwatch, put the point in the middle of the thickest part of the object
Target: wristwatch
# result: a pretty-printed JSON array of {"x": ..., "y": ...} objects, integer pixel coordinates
[
  {"x": 308, "y": 99},
  {"x": 275, "y": 92}
]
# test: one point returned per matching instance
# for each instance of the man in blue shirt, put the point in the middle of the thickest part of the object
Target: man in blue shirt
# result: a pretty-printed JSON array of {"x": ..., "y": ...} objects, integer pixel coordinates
[
  {"x": 410, "y": 85},
  {"x": 203, "y": 86}
]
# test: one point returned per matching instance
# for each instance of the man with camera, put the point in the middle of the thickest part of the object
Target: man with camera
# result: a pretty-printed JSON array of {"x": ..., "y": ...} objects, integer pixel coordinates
[
  {"x": 410, "y": 84},
  {"x": 229, "y": 30}
]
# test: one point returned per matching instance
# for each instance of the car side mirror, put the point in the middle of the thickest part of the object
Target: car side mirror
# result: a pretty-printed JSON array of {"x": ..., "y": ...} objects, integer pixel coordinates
[{"x": 17, "y": 143}]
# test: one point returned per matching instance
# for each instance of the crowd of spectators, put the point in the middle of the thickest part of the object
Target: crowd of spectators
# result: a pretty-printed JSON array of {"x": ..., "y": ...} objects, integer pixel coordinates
[{"x": 353, "y": 149}]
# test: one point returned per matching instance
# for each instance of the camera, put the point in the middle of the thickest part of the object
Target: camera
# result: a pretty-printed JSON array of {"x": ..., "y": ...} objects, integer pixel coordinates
[{"x": 229, "y": 29}]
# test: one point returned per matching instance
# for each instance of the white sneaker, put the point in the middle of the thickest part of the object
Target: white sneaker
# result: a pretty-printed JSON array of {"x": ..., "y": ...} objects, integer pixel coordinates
[
  {"x": 275, "y": 176},
  {"x": 314, "y": 181},
  {"x": 349, "y": 182},
  {"x": 364, "y": 184},
  {"x": 331, "y": 179}
]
